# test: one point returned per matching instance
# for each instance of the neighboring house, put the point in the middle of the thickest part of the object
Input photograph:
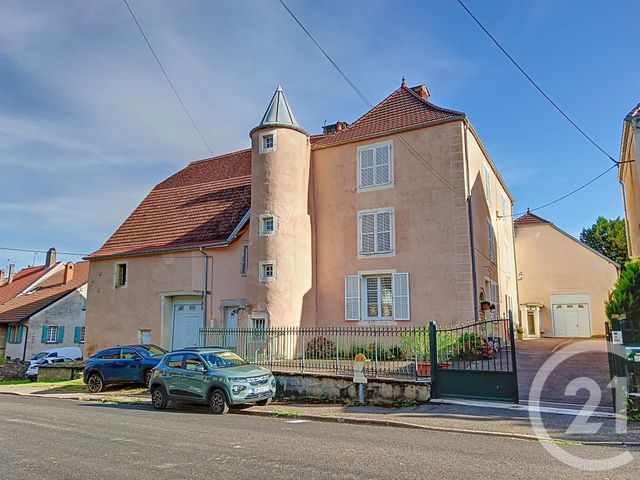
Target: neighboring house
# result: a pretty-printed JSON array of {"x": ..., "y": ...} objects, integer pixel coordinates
[
  {"x": 348, "y": 227},
  {"x": 629, "y": 176},
  {"x": 563, "y": 283},
  {"x": 14, "y": 284},
  {"x": 48, "y": 314}
]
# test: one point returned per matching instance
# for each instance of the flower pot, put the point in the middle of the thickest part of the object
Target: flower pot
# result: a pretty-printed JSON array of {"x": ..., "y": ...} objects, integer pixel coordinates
[{"x": 424, "y": 369}]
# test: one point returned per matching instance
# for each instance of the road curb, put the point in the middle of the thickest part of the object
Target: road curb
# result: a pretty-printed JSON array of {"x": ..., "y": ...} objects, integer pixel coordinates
[{"x": 415, "y": 426}]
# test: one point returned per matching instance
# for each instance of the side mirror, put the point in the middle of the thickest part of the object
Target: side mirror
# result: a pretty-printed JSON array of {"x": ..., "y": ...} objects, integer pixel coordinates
[
  {"x": 137, "y": 358},
  {"x": 200, "y": 369}
]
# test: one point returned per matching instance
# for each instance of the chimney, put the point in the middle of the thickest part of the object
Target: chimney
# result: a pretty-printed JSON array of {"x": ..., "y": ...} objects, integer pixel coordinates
[
  {"x": 422, "y": 91},
  {"x": 51, "y": 257},
  {"x": 11, "y": 272},
  {"x": 334, "y": 127},
  {"x": 68, "y": 273}
]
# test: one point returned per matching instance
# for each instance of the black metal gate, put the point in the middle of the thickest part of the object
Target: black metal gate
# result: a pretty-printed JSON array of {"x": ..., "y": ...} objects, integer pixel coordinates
[{"x": 476, "y": 361}]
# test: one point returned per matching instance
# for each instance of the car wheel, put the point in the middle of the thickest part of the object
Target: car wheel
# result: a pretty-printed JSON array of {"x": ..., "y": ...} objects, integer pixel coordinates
[
  {"x": 147, "y": 378},
  {"x": 159, "y": 398},
  {"x": 33, "y": 379},
  {"x": 264, "y": 403},
  {"x": 218, "y": 402},
  {"x": 95, "y": 383}
]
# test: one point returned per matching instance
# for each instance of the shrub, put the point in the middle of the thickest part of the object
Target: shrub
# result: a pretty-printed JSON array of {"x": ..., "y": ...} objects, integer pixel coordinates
[
  {"x": 320, "y": 347},
  {"x": 624, "y": 299}
]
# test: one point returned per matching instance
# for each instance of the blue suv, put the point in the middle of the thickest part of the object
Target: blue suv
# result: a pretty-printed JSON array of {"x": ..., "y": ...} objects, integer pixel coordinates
[{"x": 121, "y": 364}]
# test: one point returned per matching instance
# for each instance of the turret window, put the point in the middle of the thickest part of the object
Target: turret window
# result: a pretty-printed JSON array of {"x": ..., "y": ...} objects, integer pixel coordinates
[
  {"x": 268, "y": 224},
  {"x": 267, "y": 271},
  {"x": 268, "y": 142}
]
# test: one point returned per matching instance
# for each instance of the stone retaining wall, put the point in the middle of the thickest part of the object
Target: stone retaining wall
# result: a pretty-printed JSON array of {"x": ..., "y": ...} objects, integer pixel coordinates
[
  {"x": 333, "y": 387},
  {"x": 59, "y": 372},
  {"x": 13, "y": 370}
]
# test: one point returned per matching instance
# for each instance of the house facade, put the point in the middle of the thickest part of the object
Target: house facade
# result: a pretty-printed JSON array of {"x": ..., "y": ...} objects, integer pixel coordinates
[
  {"x": 563, "y": 283},
  {"x": 396, "y": 219},
  {"x": 629, "y": 177},
  {"x": 48, "y": 314},
  {"x": 13, "y": 284}
]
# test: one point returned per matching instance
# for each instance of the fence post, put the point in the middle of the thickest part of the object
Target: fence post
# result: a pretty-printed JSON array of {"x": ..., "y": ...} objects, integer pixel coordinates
[
  {"x": 375, "y": 355},
  {"x": 433, "y": 358},
  {"x": 337, "y": 352},
  {"x": 514, "y": 364},
  {"x": 303, "y": 350},
  {"x": 415, "y": 351}
]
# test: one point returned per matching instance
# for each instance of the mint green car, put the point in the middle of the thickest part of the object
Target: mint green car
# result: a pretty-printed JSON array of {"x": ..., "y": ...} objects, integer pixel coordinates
[{"x": 210, "y": 375}]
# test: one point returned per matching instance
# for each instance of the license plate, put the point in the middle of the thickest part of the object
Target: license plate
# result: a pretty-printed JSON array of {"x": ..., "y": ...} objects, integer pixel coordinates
[{"x": 259, "y": 390}]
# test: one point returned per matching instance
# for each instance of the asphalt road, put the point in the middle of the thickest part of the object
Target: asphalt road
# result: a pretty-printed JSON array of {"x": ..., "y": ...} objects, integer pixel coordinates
[{"x": 62, "y": 439}]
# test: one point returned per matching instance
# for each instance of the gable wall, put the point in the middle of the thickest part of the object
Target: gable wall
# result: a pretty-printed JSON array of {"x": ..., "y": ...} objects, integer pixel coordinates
[{"x": 554, "y": 264}]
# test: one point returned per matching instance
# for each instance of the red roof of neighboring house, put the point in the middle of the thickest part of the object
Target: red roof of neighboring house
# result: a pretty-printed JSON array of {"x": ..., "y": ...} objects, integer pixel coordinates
[
  {"x": 529, "y": 219},
  {"x": 21, "y": 281},
  {"x": 404, "y": 109},
  {"x": 201, "y": 204},
  {"x": 43, "y": 295}
]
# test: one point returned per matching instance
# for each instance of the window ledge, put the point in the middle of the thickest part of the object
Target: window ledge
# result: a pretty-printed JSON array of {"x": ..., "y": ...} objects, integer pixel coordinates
[{"x": 376, "y": 255}]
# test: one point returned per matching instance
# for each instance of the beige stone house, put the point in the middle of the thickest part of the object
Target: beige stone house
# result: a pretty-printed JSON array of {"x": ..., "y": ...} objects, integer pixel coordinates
[
  {"x": 629, "y": 176},
  {"x": 47, "y": 314},
  {"x": 394, "y": 219},
  {"x": 563, "y": 283}
]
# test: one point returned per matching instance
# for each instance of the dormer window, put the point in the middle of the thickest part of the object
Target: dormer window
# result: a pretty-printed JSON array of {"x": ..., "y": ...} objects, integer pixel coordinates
[
  {"x": 267, "y": 142},
  {"x": 267, "y": 224}
]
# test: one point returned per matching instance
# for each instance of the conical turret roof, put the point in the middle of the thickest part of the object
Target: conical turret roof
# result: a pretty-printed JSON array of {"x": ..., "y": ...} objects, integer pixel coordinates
[{"x": 279, "y": 113}]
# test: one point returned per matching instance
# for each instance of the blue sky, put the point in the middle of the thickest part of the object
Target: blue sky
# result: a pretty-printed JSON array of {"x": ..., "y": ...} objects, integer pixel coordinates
[{"x": 88, "y": 125}]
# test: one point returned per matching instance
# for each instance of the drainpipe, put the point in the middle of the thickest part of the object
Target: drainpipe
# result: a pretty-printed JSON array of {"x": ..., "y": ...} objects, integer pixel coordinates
[
  {"x": 26, "y": 339},
  {"x": 206, "y": 284},
  {"x": 471, "y": 235}
]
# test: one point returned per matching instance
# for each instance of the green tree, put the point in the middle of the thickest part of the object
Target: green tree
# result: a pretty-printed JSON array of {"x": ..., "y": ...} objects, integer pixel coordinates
[
  {"x": 607, "y": 237},
  {"x": 625, "y": 300}
]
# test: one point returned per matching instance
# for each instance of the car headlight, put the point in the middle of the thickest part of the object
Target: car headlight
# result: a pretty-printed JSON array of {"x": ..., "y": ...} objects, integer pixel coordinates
[
  {"x": 238, "y": 388},
  {"x": 238, "y": 379}
]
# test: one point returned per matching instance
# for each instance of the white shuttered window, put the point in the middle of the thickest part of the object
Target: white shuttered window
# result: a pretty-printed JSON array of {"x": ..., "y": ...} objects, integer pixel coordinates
[
  {"x": 375, "y": 165},
  {"x": 376, "y": 232},
  {"x": 378, "y": 297}
]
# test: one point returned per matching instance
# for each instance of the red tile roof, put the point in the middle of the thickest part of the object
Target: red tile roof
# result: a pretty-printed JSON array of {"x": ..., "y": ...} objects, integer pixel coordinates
[
  {"x": 201, "y": 204},
  {"x": 404, "y": 109},
  {"x": 43, "y": 295},
  {"x": 530, "y": 219},
  {"x": 21, "y": 281}
]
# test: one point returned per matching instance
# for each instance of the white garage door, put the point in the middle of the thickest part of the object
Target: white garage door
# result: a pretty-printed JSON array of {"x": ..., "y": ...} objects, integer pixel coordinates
[
  {"x": 571, "y": 320},
  {"x": 187, "y": 320}
]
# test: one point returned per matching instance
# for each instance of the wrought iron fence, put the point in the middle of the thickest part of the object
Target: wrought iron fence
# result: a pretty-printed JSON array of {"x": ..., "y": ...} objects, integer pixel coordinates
[
  {"x": 391, "y": 352},
  {"x": 482, "y": 346}
]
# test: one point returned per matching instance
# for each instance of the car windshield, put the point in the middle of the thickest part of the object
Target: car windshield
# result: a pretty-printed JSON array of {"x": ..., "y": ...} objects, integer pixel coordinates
[
  {"x": 40, "y": 355},
  {"x": 150, "y": 350},
  {"x": 224, "y": 359}
]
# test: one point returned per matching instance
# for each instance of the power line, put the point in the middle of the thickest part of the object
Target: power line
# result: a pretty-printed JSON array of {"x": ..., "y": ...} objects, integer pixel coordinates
[
  {"x": 42, "y": 251},
  {"x": 419, "y": 157},
  {"x": 564, "y": 196},
  {"x": 535, "y": 84},
  {"x": 413, "y": 152},
  {"x": 175, "y": 91}
]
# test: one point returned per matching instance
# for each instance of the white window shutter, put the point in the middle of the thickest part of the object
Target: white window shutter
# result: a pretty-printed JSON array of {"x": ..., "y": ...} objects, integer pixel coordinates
[
  {"x": 368, "y": 233},
  {"x": 383, "y": 171},
  {"x": 401, "y": 309},
  {"x": 352, "y": 297},
  {"x": 367, "y": 168}
]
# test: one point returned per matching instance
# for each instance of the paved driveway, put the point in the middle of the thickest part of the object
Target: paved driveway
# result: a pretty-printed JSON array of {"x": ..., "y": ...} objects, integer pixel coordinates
[{"x": 532, "y": 354}]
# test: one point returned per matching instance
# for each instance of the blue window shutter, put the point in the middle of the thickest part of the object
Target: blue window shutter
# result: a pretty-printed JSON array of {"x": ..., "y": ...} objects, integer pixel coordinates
[
  {"x": 77, "y": 335},
  {"x": 60, "y": 334},
  {"x": 43, "y": 339}
]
